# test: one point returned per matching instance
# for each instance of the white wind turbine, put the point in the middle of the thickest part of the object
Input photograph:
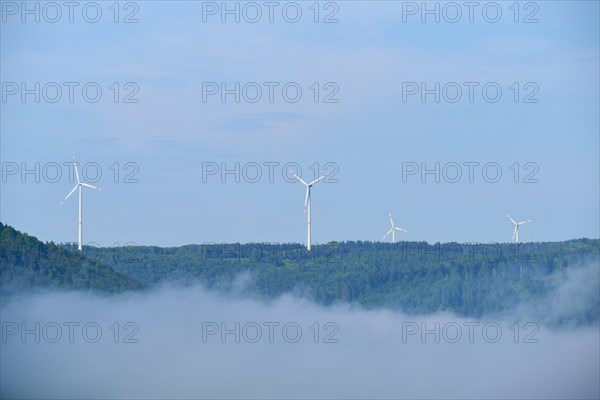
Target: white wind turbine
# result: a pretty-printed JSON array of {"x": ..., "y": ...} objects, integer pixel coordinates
[
  {"x": 307, "y": 200},
  {"x": 516, "y": 231},
  {"x": 78, "y": 186},
  {"x": 393, "y": 230}
]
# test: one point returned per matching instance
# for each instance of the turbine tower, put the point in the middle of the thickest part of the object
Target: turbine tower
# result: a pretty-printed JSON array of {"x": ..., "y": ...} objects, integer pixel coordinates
[
  {"x": 516, "y": 231},
  {"x": 79, "y": 186},
  {"x": 393, "y": 230},
  {"x": 307, "y": 201}
]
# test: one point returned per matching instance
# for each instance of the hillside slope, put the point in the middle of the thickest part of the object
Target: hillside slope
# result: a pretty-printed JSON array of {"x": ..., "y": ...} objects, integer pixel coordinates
[
  {"x": 416, "y": 277},
  {"x": 471, "y": 280},
  {"x": 27, "y": 263}
]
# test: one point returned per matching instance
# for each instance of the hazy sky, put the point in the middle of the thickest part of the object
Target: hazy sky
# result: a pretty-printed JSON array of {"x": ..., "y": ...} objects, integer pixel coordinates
[{"x": 369, "y": 120}]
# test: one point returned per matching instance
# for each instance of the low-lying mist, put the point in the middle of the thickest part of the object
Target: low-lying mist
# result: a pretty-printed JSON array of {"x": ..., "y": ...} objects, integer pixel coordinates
[{"x": 187, "y": 342}]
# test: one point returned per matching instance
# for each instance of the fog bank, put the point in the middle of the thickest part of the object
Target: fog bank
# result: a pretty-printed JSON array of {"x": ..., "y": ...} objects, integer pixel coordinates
[{"x": 169, "y": 343}]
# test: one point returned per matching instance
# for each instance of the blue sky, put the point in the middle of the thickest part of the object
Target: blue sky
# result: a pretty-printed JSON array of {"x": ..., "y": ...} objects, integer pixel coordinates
[{"x": 370, "y": 134}]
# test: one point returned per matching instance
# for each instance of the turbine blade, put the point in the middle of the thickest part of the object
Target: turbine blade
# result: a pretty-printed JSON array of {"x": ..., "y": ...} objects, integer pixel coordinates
[
  {"x": 524, "y": 222},
  {"x": 69, "y": 195},
  {"x": 318, "y": 179},
  {"x": 391, "y": 220},
  {"x": 90, "y": 186},
  {"x": 76, "y": 172},
  {"x": 512, "y": 220},
  {"x": 297, "y": 177},
  {"x": 387, "y": 234},
  {"x": 400, "y": 229},
  {"x": 306, "y": 198}
]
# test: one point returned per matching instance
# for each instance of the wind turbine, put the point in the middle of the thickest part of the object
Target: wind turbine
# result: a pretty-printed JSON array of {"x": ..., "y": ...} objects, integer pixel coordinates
[
  {"x": 78, "y": 186},
  {"x": 516, "y": 231},
  {"x": 393, "y": 230},
  {"x": 307, "y": 200}
]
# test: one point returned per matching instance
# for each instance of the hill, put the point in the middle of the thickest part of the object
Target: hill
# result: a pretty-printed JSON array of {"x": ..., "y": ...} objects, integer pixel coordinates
[
  {"x": 471, "y": 280},
  {"x": 28, "y": 264},
  {"x": 467, "y": 279}
]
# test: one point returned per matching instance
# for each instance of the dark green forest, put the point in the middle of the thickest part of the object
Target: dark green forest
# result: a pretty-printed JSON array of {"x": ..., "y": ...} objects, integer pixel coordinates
[
  {"x": 416, "y": 277},
  {"x": 28, "y": 264}
]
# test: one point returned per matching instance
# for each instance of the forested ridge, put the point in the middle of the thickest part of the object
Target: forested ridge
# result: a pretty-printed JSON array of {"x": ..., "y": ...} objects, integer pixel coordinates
[
  {"x": 416, "y": 277},
  {"x": 469, "y": 279},
  {"x": 28, "y": 264}
]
